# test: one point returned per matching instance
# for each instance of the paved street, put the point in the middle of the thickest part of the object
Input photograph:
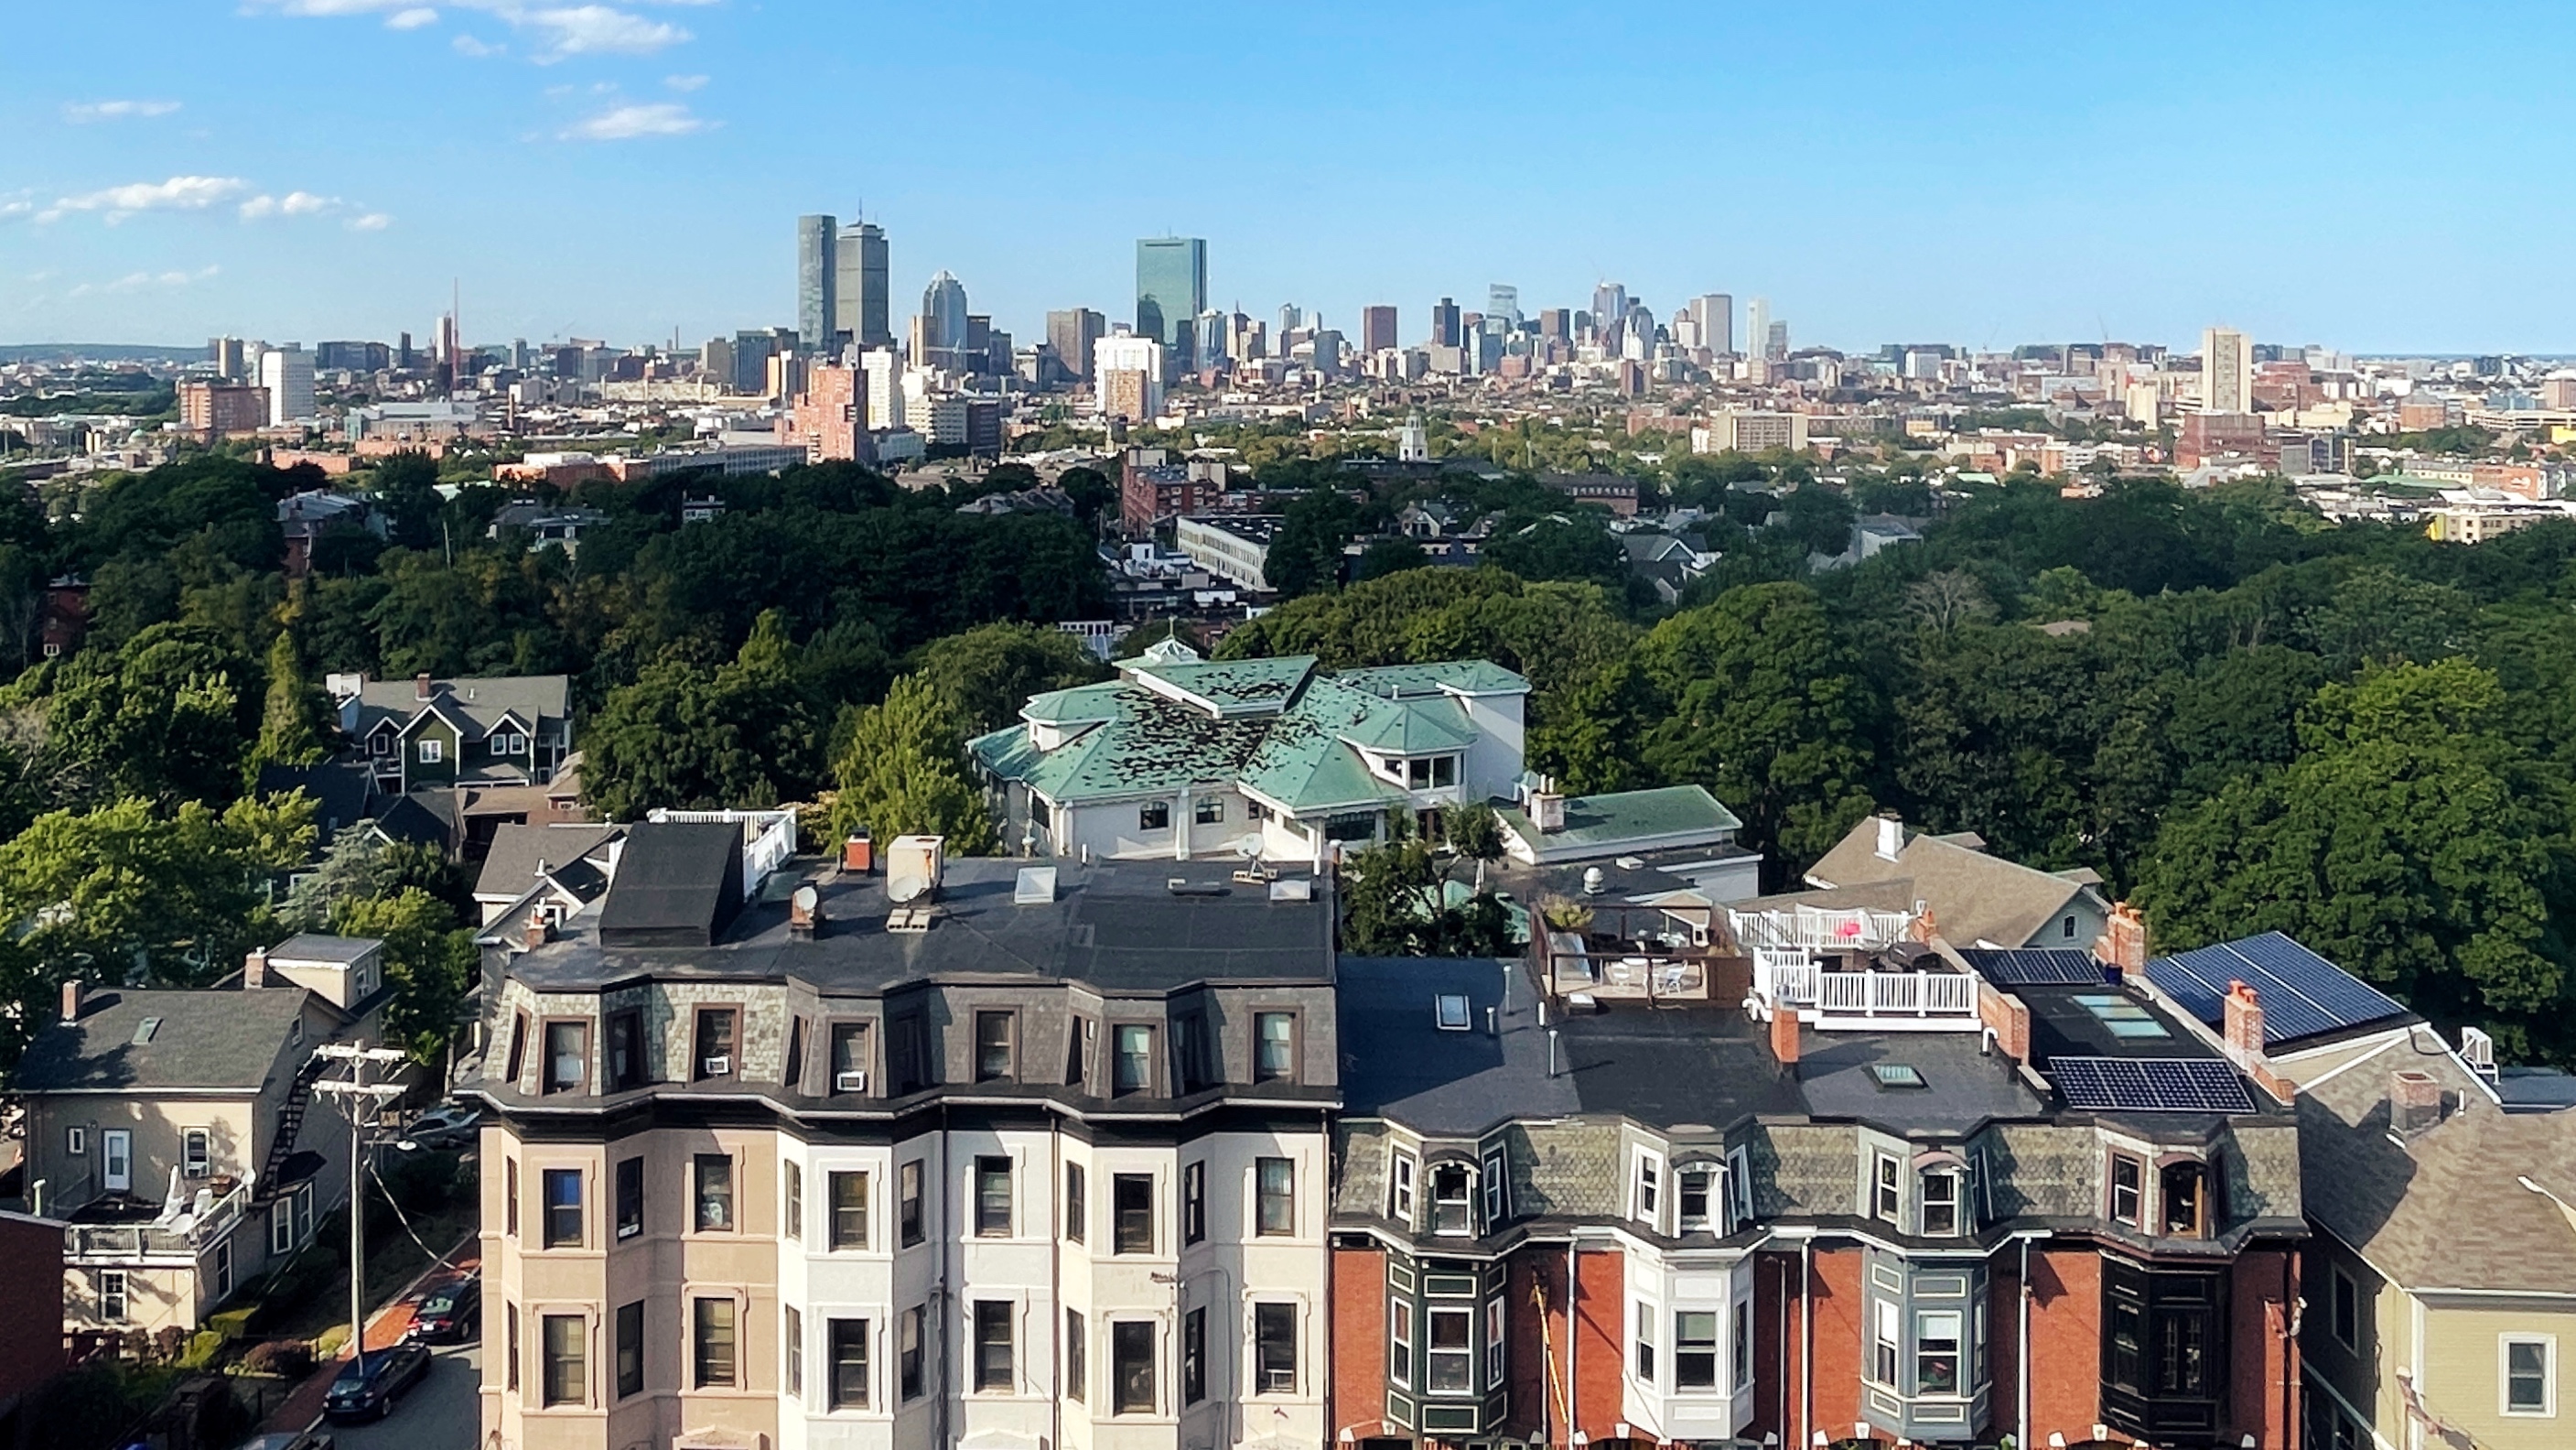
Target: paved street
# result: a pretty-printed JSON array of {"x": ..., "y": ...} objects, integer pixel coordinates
[{"x": 437, "y": 1415}]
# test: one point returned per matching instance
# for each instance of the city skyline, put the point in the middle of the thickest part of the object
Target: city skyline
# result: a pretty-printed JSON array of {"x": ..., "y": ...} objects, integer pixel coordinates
[{"x": 1883, "y": 185}]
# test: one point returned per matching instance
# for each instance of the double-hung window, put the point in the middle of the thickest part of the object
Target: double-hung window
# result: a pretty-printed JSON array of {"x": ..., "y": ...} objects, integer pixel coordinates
[
  {"x": 849, "y": 1211},
  {"x": 1132, "y": 1065},
  {"x": 1692, "y": 1187},
  {"x": 1695, "y": 1349},
  {"x": 1131, "y": 1363},
  {"x": 2530, "y": 1374},
  {"x": 1887, "y": 1192},
  {"x": 1131, "y": 1206},
  {"x": 1399, "y": 1342},
  {"x": 714, "y": 1343},
  {"x": 563, "y": 1208},
  {"x": 567, "y": 1375},
  {"x": 1274, "y": 1349},
  {"x": 1936, "y": 1351},
  {"x": 1274, "y": 1054},
  {"x": 993, "y": 1198},
  {"x": 1275, "y": 1184},
  {"x": 1887, "y": 1344},
  {"x": 630, "y": 1197},
  {"x": 714, "y": 1173},
  {"x": 993, "y": 1346},
  {"x": 1453, "y": 1349},
  {"x": 1647, "y": 1199},
  {"x": 848, "y": 1345},
  {"x": 1645, "y": 1344},
  {"x": 1940, "y": 1207}
]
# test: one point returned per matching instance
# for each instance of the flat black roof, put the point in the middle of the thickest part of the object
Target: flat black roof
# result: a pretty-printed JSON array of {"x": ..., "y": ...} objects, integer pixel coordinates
[{"x": 1118, "y": 926}]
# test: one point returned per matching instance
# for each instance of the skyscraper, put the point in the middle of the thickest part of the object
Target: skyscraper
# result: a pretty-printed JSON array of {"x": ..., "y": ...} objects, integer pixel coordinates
[
  {"x": 943, "y": 323},
  {"x": 2226, "y": 371},
  {"x": 1377, "y": 330},
  {"x": 1775, "y": 341},
  {"x": 1444, "y": 323},
  {"x": 1071, "y": 333},
  {"x": 1609, "y": 304},
  {"x": 1503, "y": 301},
  {"x": 1171, "y": 287},
  {"x": 1714, "y": 313},
  {"x": 818, "y": 278},
  {"x": 865, "y": 315},
  {"x": 1757, "y": 327},
  {"x": 287, "y": 373},
  {"x": 1290, "y": 319}
]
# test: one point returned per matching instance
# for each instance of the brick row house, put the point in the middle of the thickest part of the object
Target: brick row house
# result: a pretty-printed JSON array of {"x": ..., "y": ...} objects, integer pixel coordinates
[{"x": 1852, "y": 1222}]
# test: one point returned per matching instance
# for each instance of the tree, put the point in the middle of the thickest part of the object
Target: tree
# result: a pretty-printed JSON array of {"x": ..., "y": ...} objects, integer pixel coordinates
[
  {"x": 2411, "y": 842},
  {"x": 986, "y": 674},
  {"x": 1757, "y": 700},
  {"x": 359, "y": 865},
  {"x": 1947, "y": 599},
  {"x": 126, "y": 893},
  {"x": 745, "y": 733},
  {"x": 903, "y": 772},
  {"x": 296, "y": 726},
  {"x": 1397, "y": 906},
  {"x": 1306, "y": 551},
  {"x": 1556, "y": 547},
  {"x": 1390, "y": 555},
  {"x": 429, "y": 962},
  {"x": 160, "y": 718},
  {"x": 1475, "y": 833}
]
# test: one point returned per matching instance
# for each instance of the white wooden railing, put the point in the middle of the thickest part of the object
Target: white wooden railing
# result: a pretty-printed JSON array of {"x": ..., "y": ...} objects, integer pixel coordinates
[{"x": 1809, "y": 928}]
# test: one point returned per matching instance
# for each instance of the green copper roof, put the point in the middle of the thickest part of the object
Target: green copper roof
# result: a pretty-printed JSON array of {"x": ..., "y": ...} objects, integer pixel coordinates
[
  {"x": 1234, "y": 687},
  {"x": 1475, "y": 677},
  {"x": 1277, "y": 727},
  {"x": 1598, "y": 825}
]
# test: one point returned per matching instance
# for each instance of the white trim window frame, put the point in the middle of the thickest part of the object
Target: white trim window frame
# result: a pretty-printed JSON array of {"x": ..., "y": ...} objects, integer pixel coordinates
[
  {"x": 1645, "y": 1188},
  {"x": 1940, "y": 1202},
  {"x": 1400, "y": 1189},
  {"x": 2507, "y": 1402},
  {"x": 1497, "y": 1191},
  {"x": 1739, "y": 1189},
  {"x": 1886, "y": 1188}
]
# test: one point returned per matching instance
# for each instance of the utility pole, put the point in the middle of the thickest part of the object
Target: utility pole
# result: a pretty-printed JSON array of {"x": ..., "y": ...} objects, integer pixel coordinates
[{"x": 360, "y": 1099}]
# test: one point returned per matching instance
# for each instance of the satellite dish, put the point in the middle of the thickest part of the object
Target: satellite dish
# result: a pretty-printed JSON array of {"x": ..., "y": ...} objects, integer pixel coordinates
[
  {"x": 905, "y": 880},
  {"x": 806, "y": 899}
]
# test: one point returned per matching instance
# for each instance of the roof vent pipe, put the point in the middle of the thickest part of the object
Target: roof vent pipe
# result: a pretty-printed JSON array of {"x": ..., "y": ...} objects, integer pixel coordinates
[{"x": 1551, "y": 1052}]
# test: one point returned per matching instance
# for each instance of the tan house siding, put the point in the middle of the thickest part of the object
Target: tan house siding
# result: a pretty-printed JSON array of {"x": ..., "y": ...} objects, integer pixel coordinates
[{"x": 2463, "y": 1379}]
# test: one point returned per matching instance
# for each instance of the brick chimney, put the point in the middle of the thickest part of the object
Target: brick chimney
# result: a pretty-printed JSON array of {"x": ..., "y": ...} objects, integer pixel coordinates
[
  {"x": 540, "y": 932},
  {"x": 2414, "y": 1101},
  {"x": 2244, "y": 1023},
  {"x": 2123, "y": 942},
  {"x": 1784, "y": 1039},
  {"x": 75, "y": 995},
  {"x": 420, "y": 688},
  {"x": 255, "y": 969}
]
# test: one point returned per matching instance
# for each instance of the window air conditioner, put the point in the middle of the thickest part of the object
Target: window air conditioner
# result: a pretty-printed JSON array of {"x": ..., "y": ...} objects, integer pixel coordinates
[
  {"x": 716, "y": 1066},
  {"x": 850, "y": 1082}
]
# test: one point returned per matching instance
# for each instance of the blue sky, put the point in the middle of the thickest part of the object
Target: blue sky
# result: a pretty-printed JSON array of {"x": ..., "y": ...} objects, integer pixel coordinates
[{"x": 2369, "y": 176}]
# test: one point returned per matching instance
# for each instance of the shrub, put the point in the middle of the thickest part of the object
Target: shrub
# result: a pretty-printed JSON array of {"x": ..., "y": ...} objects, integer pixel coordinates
[
  {"x": 232, "y": 1323},
  {"x": 287, "y": 1358},
  {"x": 202, "y": 1349}
]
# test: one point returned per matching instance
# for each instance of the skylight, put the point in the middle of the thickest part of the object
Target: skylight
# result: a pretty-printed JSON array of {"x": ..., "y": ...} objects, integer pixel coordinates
[
  {"x": 2125, "y": 1018},
  {"x": 1451, "y": 1011},
  {"x": 1894, "y": 1075},
  {"x": 144, "y": 1030}
]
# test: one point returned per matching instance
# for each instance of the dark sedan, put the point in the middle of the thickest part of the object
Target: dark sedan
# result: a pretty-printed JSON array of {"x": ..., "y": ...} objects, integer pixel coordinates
[
  {"x": 370, "y": 1395},
  {"x": 448, "y": 1312}
]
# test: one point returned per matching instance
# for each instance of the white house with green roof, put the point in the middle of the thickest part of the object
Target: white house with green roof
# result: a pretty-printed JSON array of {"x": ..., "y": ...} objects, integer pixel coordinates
[{"x": 1184, "y": 757}]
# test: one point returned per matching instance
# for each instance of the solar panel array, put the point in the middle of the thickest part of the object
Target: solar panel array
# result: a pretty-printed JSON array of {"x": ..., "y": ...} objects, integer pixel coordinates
[
  {"x": 2035, "y": 966},
  {"x": 2150, "y": 1085},
  {"x": 2302, "y": 994}
]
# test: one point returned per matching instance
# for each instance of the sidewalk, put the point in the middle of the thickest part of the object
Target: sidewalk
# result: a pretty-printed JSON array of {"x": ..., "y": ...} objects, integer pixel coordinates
[{"x": 385, "y": 1329}]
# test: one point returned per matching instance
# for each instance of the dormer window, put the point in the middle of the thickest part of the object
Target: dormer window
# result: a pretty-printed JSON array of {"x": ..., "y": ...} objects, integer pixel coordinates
[
  {"x": 2184, "y": 1189},
  {"x": 1887, "y": 1193},
  {"x": 1400, "y": 1194},
  {"x": 1940, "y": 1206},
  {"x": 1647, "y": 1200},
  {"x": 2128, "y": 1190},
  {"x": 1452, "y": 1208},
  {"x": 1438, "y": 772},
  {"x": 1695, "y": 1185}
]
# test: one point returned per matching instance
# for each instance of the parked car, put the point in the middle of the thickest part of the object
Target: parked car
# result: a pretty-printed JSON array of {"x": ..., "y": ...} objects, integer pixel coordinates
[
  {"x": 449, "y": 1125},
  {"x": 389, "y": 1373},
  {"x": 448, "y": 1311},
  {"x": 288, "y": 1440}
]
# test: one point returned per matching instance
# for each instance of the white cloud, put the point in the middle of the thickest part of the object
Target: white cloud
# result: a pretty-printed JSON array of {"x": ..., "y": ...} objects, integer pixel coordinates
[
  {"x": 294, "y": 203},
  {"x": 143, "y": 282},
  {"x": 596, "y": 30},
  {"x": 374, "y": 221},
  {"x": 79, "y": 112},
  {"x": 179, "y": 193},
  {"x": 627, "y": 123},
  {"x": 684, "y": 83},
  {"x": 468, "y": 45},
  {"x": 560, "y": 30}
]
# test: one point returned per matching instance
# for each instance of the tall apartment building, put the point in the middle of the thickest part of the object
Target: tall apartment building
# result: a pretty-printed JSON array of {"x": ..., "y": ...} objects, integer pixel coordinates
[
  {"x": 222, "y": 410},
  {"x": 831, "y": 415},
  {"x": 1378, "y": 330},
  {"x": 1018, "y": 1155},
  {"x": 818, "y": 280},
  {"x": 1503, "y": 305},
  {"x": 1127, "y": 371},
  {"x": 2226, "y": 371},
  {"x": 226, "y": 353},
  {"x": 1744, "y": 430},
  {"x": 286, "y": 374},
  {"x": 1757, "y": 327},
  {"x": 1713, "y": 318},
  {"x": 861, "y": 295},
  {"x": 1072, "y": 332}
]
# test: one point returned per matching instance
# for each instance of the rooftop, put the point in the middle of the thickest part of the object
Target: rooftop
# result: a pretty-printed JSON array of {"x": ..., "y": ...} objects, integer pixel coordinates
[
  {"x": 1626, "y": 823},
  {"x": 1978, "y": 899},
  {"x": 206, "y": 1040},
  {"x": 1119, "y": 926}
]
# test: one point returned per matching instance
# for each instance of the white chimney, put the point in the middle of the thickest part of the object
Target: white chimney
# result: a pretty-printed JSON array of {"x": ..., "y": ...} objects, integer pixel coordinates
[{"x": 1891, "y": 836}]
